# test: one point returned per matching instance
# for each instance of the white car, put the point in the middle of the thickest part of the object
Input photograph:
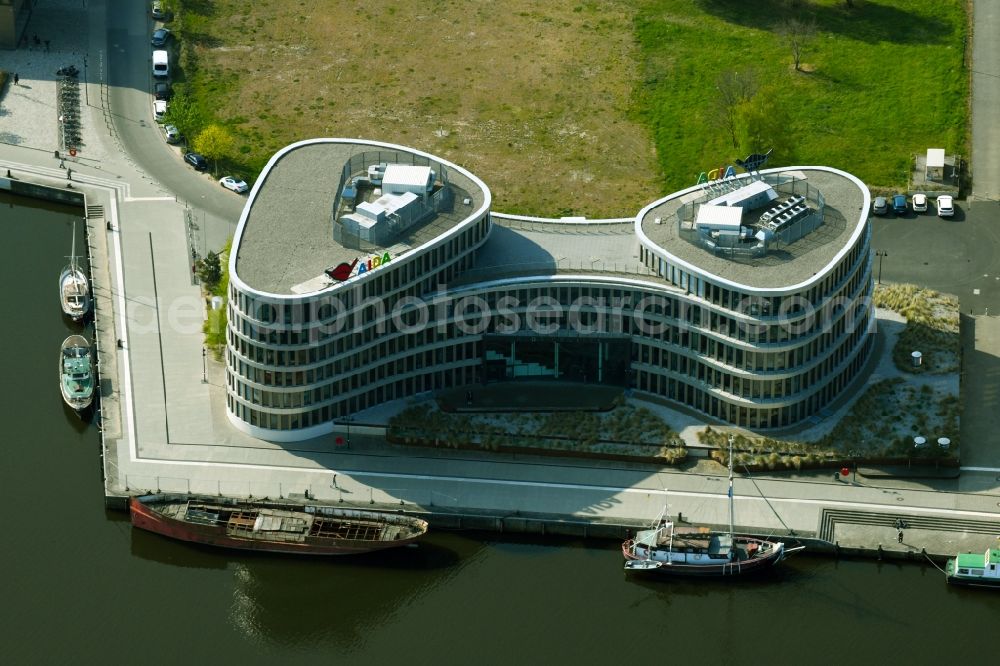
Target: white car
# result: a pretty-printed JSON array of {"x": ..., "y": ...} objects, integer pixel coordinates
[
  {"x": 231, "y": 183},
  {"x": 945, "y": 206},
  {"x": 172, "y": 133},
  {"x": 159, "y": 109},
  {"x": 919, "y": 203}
]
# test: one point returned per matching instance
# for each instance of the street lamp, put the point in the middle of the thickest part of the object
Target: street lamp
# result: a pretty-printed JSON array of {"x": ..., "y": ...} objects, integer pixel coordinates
[{"x": 881, "y": 254}]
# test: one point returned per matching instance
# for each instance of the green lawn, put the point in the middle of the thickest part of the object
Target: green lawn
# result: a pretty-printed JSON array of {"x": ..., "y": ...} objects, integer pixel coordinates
[
  {"x": 883, "y": 81},
  {"x": 880, "y": 82}
]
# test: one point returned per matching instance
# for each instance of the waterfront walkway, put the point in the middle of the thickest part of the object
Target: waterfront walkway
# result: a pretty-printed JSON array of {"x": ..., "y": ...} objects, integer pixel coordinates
[{"x": 165, "y": 426}]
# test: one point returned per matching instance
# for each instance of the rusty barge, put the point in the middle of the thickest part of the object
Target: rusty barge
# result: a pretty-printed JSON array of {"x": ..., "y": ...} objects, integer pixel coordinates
[{"x": 273, "y": 526}]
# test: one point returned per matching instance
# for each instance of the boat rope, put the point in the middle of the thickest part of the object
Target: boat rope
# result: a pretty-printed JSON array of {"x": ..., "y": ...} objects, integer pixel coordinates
[
  {"x": 746, "y": 470},
  {"x": 935, "y": 564}
]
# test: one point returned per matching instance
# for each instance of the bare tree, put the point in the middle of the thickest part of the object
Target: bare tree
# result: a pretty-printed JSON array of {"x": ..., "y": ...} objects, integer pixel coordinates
[
  {"x": 797, "y": 35},
  {"x": 734, "y": 88}
]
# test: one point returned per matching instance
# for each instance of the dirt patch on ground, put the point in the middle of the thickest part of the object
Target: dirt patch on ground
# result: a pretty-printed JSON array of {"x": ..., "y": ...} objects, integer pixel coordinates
[{"x": 534, "y": 98}]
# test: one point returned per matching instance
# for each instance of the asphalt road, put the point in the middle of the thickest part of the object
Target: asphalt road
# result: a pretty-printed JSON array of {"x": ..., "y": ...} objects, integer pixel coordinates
[
  {"x": 985, "y": 100},
  {"x": 959, "y": 256},
  {"x": 130, "y": 81}
]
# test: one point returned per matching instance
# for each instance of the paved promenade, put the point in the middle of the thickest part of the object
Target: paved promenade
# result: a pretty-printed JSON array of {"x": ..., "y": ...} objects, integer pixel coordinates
[{"x": 165, "y": 426}]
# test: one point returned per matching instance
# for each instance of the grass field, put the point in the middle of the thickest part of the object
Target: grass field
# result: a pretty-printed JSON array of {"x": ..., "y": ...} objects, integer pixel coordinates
[
  {"x": 883, "y": 81},
  {"x": 589, "y": 108}
]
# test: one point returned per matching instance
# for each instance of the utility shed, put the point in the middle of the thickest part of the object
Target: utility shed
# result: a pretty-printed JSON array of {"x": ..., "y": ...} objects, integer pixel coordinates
[
  {"x": 934, "y": 168},
  {"x": 400, "y": 178}
]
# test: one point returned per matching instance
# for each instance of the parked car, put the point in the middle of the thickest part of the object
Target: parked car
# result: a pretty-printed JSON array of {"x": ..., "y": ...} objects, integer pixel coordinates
[
  {"x": 162, "y": 90},
  {"x": 161, "y": 64},
  {"x": 231, "y": 183},
  {"x": 159, "y": 110},
  {"x": 160, "y": 37},
  {"x": 158, "y": 12},
  {"x": 899, "y": 204},
  {"x": 945, "y": 206},
  {"x": 172, "y": 134},
  {"x": 196, "y": 160},
  {"x": 879, "y": 206},
  {"x": 919, "y": 203}
]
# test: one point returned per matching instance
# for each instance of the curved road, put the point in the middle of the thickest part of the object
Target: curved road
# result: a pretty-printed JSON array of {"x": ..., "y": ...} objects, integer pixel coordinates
[{"x": 130, "y": 82}]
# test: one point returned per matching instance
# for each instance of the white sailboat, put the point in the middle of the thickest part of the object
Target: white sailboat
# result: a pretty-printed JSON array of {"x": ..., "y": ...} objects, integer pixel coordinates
[
  {"x": 697, "y": 551},
  {"x": 74, "y": 288}
]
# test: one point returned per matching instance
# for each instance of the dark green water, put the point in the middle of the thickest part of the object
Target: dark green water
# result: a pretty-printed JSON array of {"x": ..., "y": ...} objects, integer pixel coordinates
[{"x": 80, "y": 586}]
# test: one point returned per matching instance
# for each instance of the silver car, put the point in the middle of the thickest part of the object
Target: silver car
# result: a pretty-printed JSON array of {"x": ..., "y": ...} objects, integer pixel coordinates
[{"x": 172, "y": 134}]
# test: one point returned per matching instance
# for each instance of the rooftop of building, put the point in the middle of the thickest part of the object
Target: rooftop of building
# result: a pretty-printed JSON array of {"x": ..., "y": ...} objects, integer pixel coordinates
[
  {"x": 285, "y": 241},
  {"x": 844, "y": 211}
]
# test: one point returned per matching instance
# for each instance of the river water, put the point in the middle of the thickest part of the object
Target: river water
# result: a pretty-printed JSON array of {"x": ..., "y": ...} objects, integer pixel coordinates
[{"x": 81, "y": 586}]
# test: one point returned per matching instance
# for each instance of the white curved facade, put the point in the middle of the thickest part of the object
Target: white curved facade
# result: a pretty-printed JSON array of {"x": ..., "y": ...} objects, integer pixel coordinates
[{"x": 465, "y": 299}]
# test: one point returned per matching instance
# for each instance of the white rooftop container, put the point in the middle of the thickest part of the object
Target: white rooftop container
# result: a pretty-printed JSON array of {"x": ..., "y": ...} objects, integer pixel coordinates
[
  {"x": 725, "y": 219},
  {"x": 753, "y": 194},
  {"x": 399, "y": 178},
  {"x": 372, "y": 211},
  {"x": 393, "y": 202}
]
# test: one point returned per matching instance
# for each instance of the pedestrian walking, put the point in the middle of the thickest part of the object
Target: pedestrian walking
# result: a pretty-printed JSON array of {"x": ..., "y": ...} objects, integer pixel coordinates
[
  {"x": 899, "y": 536},
  {"x": 17, "y": 79},
  {"x": 334, "y": 480}
]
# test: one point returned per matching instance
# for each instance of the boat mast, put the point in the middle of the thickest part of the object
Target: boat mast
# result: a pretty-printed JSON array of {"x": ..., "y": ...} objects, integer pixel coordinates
[
  {"x": 731, "y": 490},
  {"x": 72, "y": 252}
]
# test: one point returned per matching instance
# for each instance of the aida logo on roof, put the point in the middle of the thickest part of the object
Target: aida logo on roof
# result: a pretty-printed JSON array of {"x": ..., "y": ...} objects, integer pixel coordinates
[
  {"x": 343, "y": 271},
  {"x": 716, "y": 174}
]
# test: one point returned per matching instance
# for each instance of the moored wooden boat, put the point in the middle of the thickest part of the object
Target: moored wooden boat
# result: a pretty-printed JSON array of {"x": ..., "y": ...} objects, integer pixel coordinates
[
  {"x": 665, "y": 550},
  {"x": 273, "y": 526}
]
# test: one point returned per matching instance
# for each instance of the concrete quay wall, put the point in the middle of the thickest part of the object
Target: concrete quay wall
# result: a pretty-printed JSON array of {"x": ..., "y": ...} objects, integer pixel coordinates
[{"x": 836, "y": 532}]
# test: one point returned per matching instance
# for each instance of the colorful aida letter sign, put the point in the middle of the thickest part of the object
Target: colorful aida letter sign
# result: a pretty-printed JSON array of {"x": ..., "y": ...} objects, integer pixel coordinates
[
  {"x": 716, "y": 174},
  {"x": 343, "y": 271}
]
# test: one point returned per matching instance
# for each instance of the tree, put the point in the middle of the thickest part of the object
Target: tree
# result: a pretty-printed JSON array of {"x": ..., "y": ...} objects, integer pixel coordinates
[
  {"x": 213, "y": 142},
  {"x": 183, "y": 113},
  {"x": 734, "y": 88},
  {"x": 210, "y": 270},
  {"x": 764, "y": 125},
  {"x": 797, "y": 35}
]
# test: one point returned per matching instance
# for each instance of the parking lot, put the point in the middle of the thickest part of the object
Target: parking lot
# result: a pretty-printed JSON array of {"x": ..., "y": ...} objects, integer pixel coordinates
[{"x": 959, "y": 255}]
